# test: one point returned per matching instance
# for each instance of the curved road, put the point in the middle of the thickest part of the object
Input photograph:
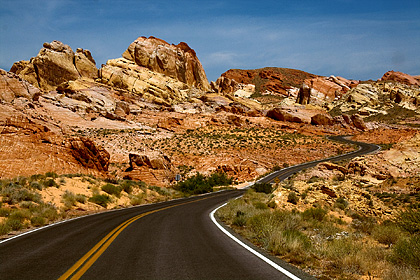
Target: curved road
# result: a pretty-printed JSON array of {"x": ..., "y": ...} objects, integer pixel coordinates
[{"x": 169, "y": 240}]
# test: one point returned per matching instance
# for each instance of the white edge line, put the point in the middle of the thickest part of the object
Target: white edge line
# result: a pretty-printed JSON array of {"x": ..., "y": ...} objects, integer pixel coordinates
[{"x": 268, "y": 261}]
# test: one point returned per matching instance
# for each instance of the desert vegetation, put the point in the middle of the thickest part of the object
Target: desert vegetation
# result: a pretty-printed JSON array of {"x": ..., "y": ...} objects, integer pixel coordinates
[
  {"x": 327, "y": 245},
  {"x": 27, "y": 202}
]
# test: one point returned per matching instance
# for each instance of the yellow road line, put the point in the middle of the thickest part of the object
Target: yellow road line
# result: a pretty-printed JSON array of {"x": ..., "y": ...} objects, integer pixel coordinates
[{"x": 82, "y": 265}]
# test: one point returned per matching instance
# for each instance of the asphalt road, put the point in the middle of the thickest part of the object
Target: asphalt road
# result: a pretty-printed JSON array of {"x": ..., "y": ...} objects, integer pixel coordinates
[
  {"x": 364, "y": 148},
  {"x": 170, "y": 240}
]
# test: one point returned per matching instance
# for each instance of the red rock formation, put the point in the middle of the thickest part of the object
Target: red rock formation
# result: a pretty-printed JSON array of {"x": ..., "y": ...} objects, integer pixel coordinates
[
  {"x": 89, "y": 154},
  {"x": 400, "y": 77},
  {"x": 274, "y": 80},
  {"x": 176, "y": 61},
  {"x": 56, "y": 63}
]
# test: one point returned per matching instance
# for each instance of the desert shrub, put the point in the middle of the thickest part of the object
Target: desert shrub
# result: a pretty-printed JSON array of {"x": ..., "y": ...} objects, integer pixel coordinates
[
  {"x": 51, "y": 175},
  {"x": 81, "y": 198},
  {"x": 127, "y": 186},
  {"x": 14, "y": 224},
  {"x": 112, "y": 189},
  {"x": 69, "y": 199},
  {"x": 198, "y": 183},
  {"x": 386, "y": 234},
  {"x": 4, "y": 212},
  {"x": 13, "y": 194},
  {"x": 290, "y": 241},
  {"x": 407, "y": 251},
  {"x": 100, "y": 199},
  {"x": 262, "y": 187},
  {"x": 364, "y": 224},
  {"x": 35, "y": 185},
  {"x": 317, "y": 214},
  {"x": 409, "y": 220},
  {"x": 292, "y": 198},
  {"x": 37, "y": 177},
  {"x": 137, "y": 199},
  {"x": 260, "y": 205},
  {"x": 159, "y": 190},
  {"x": 341, "y": 203},
  {"x": 38, "y": 221},
  {"x": 49, "y": 183},
  {"x": 240, "y": 219},
  {"x": 4, "y": 229}
]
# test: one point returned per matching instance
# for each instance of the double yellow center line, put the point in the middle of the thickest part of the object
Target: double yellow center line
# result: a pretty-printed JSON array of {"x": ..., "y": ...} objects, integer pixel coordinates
[{"x": 82, "y": 265}]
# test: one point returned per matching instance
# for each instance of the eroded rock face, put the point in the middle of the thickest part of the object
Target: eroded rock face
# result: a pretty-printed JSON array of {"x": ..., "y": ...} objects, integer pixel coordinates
[
  {"x": 89, "y": 154},
  {"x": 400, "y": 77},
  {"x": 179, "y": 62},
  {"x": 12, "y": 87},
  {"x": 322, "y": 119},
  {"x": 56, "y": 63},
  {"x": 159, "y": 88}
]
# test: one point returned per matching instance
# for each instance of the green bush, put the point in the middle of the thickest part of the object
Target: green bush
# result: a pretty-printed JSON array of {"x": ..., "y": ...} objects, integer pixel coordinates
[
  {"x": 14, "y": 224},
  {"x": 51, "y": 175},
  {"x": 386, "y": 234},
  {"x": 364, "y": 224},
  {"x": 100, "y": 199},
  {"x": 112, "y": 189},
  {"x": 409, "y": 220},
  {"x": 262, "y": 187},
  {"x": 13, "y": 194},
  {"x": 38, "y": 221},
  {"x": 127, "y": 186},
  {"x": 292, "y": 198},
  {"x": 69, "y": 199},
  {"x": 49, "y": 183},
  {"x": 317, "y": 214},
  {"x": 35, "y": 185},
  {"x": 198, "y": 183},
  {"x": 407, "y": 251},
  {"x": 341, "y": 203},
  {"x": 4, "y": 229}
]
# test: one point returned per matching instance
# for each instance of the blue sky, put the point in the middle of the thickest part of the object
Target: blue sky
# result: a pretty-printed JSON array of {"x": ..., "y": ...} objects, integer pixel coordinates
[{"x": 352, "y": 39}]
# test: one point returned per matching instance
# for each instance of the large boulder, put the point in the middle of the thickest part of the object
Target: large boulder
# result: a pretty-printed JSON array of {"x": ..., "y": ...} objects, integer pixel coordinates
[
  {"x": 279, "y": 114},
  {"x": 322, "y": 119},
  {"x": 176, "y": 61},
  {"x": 56, "y": 63}
]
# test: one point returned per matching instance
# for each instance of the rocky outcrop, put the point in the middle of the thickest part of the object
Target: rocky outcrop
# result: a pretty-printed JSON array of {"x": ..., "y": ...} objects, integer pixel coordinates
[
  {"x": 322, "y": 119},
  {"x": 279, "y": 114},
  {"x": 56, "y": 63},
  {"x": 400, "y": 77},
  {"x": 179, "y": 62},
  {"x": 89, "y": 154},
  {"x": 158, "y": 88},
  {"x": 224, "y": 85},
  {"x": 269, "y": 80},
  {"x": 153, "y": 161},
  {"x": 304, "y": 95},
  {"x": 12, "y": 87}
]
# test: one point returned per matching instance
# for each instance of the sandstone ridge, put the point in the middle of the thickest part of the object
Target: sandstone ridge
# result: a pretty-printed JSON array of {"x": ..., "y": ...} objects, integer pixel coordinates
[
  {"x": 176, "y": 61},
  {"x": 56, "y": 63}
]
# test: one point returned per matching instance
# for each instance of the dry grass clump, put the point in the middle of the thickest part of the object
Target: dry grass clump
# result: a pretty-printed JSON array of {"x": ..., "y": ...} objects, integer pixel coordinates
[{"x": 327, "y": 246}]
